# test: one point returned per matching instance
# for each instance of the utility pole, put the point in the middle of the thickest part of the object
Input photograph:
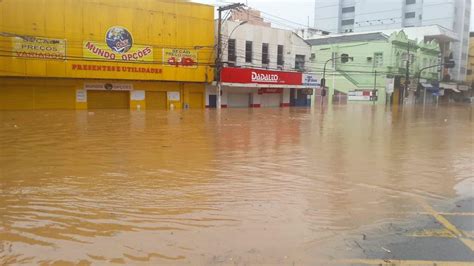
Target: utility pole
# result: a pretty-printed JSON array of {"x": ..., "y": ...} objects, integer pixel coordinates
[
  {"x": 407, "y": 74},
  {"x": 374, "y": 92},
  {"x": 219, "y": 48}
]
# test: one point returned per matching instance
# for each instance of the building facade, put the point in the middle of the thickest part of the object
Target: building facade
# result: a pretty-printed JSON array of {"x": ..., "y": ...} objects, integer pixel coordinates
[
  {"x": 374, "y": 15},
  {"x": 379, "y": 66},
  {"x": 470, "y": 67},
  {"x": 145, "y": 54},
  {"x": 262, "y": 67}
]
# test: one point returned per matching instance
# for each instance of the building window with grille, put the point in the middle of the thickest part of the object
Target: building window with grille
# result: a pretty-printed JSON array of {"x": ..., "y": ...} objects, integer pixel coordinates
[
  {"x": 348, "y": 9},
  {"x": 248, "y": 52},
  {"x": 410, "y": 15},
  {"x": 378, "y": 59},
  {"x": 346, "y": 22},
  {"x": 299, "y": 62},
  {"x": 265, "y": 55},
  {"x": 231, "y": 48},
  {"x": 280, "y": 61}
]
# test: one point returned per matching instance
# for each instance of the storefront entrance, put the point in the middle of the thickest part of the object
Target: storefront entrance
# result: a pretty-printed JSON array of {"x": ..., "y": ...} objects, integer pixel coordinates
[
  {"x": 270, "y": 100},
  {"x": 238, "y": 100},
  {"x": 155, "y": 100},
  {"x": 98, "y": 99},
  {"x": 196, "y": 100}
]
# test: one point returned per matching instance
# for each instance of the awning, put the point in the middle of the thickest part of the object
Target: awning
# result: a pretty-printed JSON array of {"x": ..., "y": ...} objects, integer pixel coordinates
[
  {"x": 427, "y": 85},
  {"x": 463, "y": 87},
  {"x": 449, "y": 86}
]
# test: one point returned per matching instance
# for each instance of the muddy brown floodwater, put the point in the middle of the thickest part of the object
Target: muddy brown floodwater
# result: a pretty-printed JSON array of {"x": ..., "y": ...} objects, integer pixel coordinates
[{"x": 272, "y": 186}]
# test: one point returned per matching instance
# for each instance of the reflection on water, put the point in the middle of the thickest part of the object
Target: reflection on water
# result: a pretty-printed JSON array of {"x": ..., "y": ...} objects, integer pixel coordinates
[{"x": 243, "y": 186}]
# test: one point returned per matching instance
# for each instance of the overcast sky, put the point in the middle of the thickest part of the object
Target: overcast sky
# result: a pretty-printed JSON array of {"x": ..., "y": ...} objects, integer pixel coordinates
[{"x": 297, "y": 11}]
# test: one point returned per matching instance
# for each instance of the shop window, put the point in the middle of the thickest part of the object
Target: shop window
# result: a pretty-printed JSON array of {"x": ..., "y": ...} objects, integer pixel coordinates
[
  {"x": 265, "y": 55},
  {"x": 280, "y": 61},
  {"x": 248, "y": 52},
  {"x": 299, "y": 62},
  {"x": 231, "y": 48}
]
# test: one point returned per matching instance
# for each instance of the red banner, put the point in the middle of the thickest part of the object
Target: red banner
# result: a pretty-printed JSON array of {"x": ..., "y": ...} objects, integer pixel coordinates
[{"x": 260, "y": 76}]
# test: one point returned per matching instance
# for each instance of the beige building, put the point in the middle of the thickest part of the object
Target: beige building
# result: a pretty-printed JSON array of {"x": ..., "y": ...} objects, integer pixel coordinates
[{"x": 470, "y": 63}]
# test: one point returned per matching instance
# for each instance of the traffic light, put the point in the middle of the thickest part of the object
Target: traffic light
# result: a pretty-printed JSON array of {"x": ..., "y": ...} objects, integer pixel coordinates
[
  {"x": 449, "y": 64},
  {"x": 344, "y": 58},
  {"x": 323, "y": 82}
]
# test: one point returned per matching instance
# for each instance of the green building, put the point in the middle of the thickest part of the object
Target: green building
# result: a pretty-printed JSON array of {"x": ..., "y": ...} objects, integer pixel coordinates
[{"x": 378, "y": 62}]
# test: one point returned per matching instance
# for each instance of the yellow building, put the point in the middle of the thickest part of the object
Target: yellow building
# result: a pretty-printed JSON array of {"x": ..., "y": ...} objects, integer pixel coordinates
[
  {"x": 470, "y": 64},
  {"x": 87, "y": 54}
]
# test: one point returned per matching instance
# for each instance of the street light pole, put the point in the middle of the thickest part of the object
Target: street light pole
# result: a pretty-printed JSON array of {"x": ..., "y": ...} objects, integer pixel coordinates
[
  {"x": 323, "y": 80},
  {"x": 219, "y": 49}
]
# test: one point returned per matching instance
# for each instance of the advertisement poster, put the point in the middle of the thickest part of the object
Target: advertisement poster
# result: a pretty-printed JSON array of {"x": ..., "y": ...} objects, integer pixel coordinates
[
  {"x": 35, "y": 47},
  {"x": 180, "y": 57},
  {"x": 117, "y": 46}
]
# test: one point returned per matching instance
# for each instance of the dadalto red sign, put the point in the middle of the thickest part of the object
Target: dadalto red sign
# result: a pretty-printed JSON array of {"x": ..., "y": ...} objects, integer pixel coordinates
[{"x": 260, "y": 76}]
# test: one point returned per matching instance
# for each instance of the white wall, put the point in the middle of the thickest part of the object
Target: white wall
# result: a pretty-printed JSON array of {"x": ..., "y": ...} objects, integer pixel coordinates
[{"x": 292, "y": 43}]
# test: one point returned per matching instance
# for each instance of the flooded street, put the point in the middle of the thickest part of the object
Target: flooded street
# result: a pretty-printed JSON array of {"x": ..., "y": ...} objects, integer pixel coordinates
[{"x": 246, "y": 186}]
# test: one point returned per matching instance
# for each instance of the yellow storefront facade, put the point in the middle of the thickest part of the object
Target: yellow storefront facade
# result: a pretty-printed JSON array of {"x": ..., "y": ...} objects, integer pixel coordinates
[{"x": 95, "y": 54}]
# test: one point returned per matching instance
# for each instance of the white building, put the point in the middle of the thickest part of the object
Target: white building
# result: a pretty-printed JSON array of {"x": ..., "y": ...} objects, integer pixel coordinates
[
  {"x": 374, "y": 15},
  {"x": 263, "y": 67}
]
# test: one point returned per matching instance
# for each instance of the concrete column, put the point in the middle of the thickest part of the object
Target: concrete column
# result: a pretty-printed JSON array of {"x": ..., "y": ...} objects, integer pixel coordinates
[
  {"x": 285, "y": 101},
  {"x": 224, "y": 97}
]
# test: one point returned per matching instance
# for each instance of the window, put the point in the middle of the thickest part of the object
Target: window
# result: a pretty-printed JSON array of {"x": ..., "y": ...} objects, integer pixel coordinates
[
  {"x": 231, "y": 57},
  {"x": 280, "y": 61},
  {"x": 410, "y": 15},
  {"x": 410, "y": 2},
  {"x": 299, "y": 62},
  {"x": 378, "y": 59},
  {"x": 265, "y": 56},
  {"x": 248, "y": 52},
  {"x": 469, "y": 71},
  {"x": 348, "y": 9},
  {"x": 346, "y": 22}
]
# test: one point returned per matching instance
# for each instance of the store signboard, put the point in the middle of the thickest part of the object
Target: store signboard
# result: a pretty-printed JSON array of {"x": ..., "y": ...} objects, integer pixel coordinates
[
  {"x": 260, "y": 76},
  {"x": 108, "y": 86},
  {"x": 360, "y": 95},
  {"x": 117, "y": 46},
  {"x": 173, "y": 96},
  {"x": 36, "y": 47},
  {"x": 180, "y": 57},
  {"x": 309, "y": 79}
]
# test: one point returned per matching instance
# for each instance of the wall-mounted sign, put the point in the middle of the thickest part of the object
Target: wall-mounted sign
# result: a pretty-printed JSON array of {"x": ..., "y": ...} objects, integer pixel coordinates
[
  {"x": 260, "y": 76},
  {"x": 90, "y": 67},
  {"x": 180, "y": 57},
  {"x": 81, "y": 96},
  {"x": 173, "y": 96},
  {"x": 361, "y": 95},
  {"x": 310, "y": 79},
  {"x": 108, "y": 86},
  {"x": 118, "y": 46},
  {"x": 137, "y": 95},
  {"x": 307, "y": 91},
  {"x": 270, "y": 90},
  {"x": 35, "y": 47}
]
